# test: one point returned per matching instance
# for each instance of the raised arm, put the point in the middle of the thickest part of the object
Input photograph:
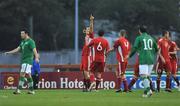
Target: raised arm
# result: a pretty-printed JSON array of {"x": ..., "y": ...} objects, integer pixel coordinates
[{"x": 91, "y": 24}]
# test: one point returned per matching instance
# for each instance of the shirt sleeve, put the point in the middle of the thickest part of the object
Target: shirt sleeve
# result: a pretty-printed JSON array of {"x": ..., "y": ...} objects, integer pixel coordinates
[
  {"x": 32, "y": 45},
  {"x": 91, "y": 43}
]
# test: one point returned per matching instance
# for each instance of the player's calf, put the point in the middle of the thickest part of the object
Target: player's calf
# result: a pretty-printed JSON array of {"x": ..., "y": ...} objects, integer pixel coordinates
[{"x": 133, "y": 81}]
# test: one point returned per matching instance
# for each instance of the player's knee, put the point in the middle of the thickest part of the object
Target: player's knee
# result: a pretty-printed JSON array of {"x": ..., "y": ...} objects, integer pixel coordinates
[
  {"x": 174, "y": 75},
  {"x": 122, "y": 75},
  {"x": 29, "y": 76},
  {"x": 22, "y": 74}
]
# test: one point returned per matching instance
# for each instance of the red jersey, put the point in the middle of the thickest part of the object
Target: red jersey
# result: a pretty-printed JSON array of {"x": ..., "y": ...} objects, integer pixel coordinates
[
  {"x": 87, "y": 50},
  {"x": 172, "y": 48},
  {"x": 164, "y": 45},
  {"x": 100, "y": 47},
  {"x": 122, "y": 47}
]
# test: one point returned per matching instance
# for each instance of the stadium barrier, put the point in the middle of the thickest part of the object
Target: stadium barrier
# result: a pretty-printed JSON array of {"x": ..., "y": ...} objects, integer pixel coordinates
[{"x": 69, "y": 79}]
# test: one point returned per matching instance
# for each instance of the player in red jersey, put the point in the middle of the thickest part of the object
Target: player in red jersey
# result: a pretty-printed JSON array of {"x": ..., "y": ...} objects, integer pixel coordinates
[
  {"x": 174, "y": 60},
  {"x": 87, "y": 54},
  {"x": 122, "y": 48},
  {"x": 136, "y": 73},
  {"x": 164, "y": 61},
  {"x": 100, "y": 49}
]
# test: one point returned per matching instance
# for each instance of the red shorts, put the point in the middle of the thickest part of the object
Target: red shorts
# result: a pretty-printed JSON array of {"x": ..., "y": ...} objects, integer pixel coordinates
[
  {"x": 97, "y": 66},
  {"x": 166, "y": 66},
  {"x": 121, "y": 68},
  {"x": 174, "y": 66},
  {"x": 85, "y": 63}
]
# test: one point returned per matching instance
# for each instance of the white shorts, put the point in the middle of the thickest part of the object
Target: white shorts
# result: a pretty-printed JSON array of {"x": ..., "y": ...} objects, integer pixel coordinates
[
  {"x": 145, "y": 69},
  {"x": 26, "y": 68}
]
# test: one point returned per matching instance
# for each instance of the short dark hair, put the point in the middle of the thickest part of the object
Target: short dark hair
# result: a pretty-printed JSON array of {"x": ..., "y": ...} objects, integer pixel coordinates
[
  {"x": 143, "y": 29},
  {"x": 101, "y": 32},
  {"x": 25, "y": 30},
  {"x": 164, "y": 32}
]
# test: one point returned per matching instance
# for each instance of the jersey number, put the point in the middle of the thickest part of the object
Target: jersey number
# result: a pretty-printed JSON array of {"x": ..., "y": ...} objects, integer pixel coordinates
[
  {"x": 148, "y": 44},
  {"x": 99, "y": 47},
  {"x": 126, "y": 44}
]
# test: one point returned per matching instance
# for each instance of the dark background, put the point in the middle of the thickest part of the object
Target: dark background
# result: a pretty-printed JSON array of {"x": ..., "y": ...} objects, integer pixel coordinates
[{"x": 53, "y": 20}]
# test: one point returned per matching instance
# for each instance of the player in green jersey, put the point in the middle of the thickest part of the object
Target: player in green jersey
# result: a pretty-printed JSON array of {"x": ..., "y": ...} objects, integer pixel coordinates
[
  {"x": 146, "y": 46},
  {"x": 27, "y": 48}
]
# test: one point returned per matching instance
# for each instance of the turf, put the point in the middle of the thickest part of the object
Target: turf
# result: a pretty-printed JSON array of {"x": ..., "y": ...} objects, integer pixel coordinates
[{"x": 78, "y": 98}]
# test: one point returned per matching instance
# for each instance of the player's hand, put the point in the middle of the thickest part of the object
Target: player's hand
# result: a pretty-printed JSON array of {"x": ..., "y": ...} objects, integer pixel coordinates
[
  {"x": 126, "y": 58},
  {"x": 84, "y": 30},
  {"x": 37, "y": 60},
  {"x": 91, "y": 17},
  {"x": 6, "y": 53}
]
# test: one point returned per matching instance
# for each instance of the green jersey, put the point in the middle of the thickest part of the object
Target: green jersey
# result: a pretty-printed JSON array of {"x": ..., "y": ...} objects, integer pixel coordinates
[
  {"x": 146, "y": 47},
  {"x": 26, "y": 49}
]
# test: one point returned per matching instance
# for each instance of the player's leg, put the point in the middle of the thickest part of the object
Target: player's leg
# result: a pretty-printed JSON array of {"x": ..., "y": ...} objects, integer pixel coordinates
[
  {"x": 123, "y": 76},
  {"x": 93, "y": 82},
  {"x": 99, "y": 70},
  {"x": 150, "y": 68},
  {"x": 119, "y": 79},
  {"x": 159, "y": 71},
  {"x": 151, "y": 84},
  {"x": 85, "y": 66},
  {"x": 30, "y": 84},
  {"x": 133, "y": 81},
  {"x": 135, "y": 77},
  {"x": 34, "y": 80},
  {"x": 94, "y": 70},
  {"x": 174, "y": 73},
  {"x": 86, "y": 79},
  {"x": 168, "y": 69},
  {"x": 29, "y": 79},
  {"x": 143, "y": 71},
  {"x": 98, "y": 79},
  {"x": 158, "y": 80},
  {"x": 21, "y": 79}
]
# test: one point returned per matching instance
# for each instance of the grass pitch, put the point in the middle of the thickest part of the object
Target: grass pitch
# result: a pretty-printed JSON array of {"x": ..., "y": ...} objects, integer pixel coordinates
[{"x": 78, "y": 98}]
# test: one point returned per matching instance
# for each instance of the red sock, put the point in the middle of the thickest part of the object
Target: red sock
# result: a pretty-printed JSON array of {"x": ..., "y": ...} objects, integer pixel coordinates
[
  {"x": 158, "y": 83},
  {"x": 97, "y": 83},
  {"x": 168, "y": 82},
  {"x": 125, "y": 84},
  {"x": 118, "y": 84},
  {"x": 133, "y": 81}
]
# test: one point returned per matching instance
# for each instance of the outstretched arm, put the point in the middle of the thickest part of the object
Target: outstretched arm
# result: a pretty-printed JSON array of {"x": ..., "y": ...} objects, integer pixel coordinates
[{"x": 13, "y": 51}]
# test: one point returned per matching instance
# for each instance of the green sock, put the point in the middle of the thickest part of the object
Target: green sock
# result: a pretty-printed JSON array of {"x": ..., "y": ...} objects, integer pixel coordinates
[
  {"x": 146, "y": 84},
  {"x": 30, "y": 83},
  {"x": 21, "y": 82}
]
